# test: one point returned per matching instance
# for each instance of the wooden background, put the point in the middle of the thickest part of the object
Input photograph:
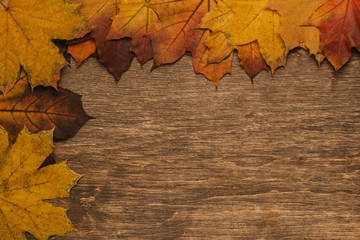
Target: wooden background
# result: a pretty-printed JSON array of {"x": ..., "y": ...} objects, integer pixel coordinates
[{"x": 169, "y": 157}]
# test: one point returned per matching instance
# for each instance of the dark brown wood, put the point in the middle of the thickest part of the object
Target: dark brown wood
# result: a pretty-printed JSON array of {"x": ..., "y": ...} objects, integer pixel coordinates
[{"x": 169, "y": 157}]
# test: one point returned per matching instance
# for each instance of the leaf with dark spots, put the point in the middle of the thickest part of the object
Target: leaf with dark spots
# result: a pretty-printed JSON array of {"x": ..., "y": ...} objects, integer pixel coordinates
[{"x": 41, "y": 109}]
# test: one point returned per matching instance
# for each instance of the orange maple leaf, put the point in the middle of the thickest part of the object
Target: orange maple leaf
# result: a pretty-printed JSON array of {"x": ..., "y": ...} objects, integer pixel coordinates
[
  {"x": 213, "y": 71},
  {"x": 176, "y": 31}
]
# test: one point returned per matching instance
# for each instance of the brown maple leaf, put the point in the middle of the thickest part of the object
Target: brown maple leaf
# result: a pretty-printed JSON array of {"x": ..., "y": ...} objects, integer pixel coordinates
[
  {"x": 115, "y": 55},
  {"x": 41, "y": 109}
]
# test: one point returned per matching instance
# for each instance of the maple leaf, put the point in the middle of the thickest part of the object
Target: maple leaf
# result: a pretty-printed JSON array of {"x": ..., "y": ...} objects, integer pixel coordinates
[
  {"x": 115, "y": 55},
  {"x": 339, "y": 24},
  {"x": 293, "y": 14},
  {"x": 23, "y": 187},
  {"x": 134, "y": 20},
  {"x": 26, "y": 33},
  {"x": 251, "y": 59},
  {"x": 213, "y": 71},
  {"x": 176, "y": 30},
  {"x": 82, "y": 50},
  {"x": 243, "y": 22},
  {"x": 219, "y": 48},
  {"x": 167, "y": 20},
  {"x": 41, "y": 109}
]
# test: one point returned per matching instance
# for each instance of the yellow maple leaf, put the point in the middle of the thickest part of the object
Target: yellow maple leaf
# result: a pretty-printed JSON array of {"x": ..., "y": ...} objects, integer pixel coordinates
[
  {"x": 243, "y": 22},
  {"x": 26, "y": 33},
  {"x": 213, "y": 71},
  {"x": 23, "y": 187},
  {"x": 293, "y": 14},
  {"x": 219, "y": 48}
]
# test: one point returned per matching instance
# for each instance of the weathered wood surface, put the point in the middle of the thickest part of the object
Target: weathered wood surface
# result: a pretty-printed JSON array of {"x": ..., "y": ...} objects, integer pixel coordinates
[{"x": 169, "y": 157}]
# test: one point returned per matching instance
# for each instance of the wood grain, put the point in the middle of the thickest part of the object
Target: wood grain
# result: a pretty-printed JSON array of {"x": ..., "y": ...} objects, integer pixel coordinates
[{"x": 169, "y": 157}]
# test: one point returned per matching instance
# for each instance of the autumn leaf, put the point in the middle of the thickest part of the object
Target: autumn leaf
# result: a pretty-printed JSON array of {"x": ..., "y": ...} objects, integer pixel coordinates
[
  {"x": 41, "y": 109},
  {"x": 82, "y": 50},
  {"x": 176, "y": 31},
  {"x": 251, "y": 59},
  {"x": 293, "y": 14},
  {"x": 24, "y": 187},
  {"x": 219, "y": 48},
  {"x": 339, "y": 24},
  {"x": 134, "y": 20},
  {"x": 173, "y": 32},
  {"x": 213, "y": 71},
  {"x": 243, "y": 22},
  {"x": 115, "y": 55},
  {"x": 26, "y": 33}
]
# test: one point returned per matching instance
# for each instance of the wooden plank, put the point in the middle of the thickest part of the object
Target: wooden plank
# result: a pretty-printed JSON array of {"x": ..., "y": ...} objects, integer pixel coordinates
[{"x": 169, "y": 157}]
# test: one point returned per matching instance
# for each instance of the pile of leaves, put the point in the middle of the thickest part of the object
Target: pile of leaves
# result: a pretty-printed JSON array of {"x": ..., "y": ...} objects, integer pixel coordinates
[
  {"x": 30, "y": 65},
  {"x": 260, "y": 32}
]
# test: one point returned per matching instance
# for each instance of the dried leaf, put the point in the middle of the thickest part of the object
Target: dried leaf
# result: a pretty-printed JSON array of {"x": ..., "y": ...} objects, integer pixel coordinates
[
  {"x": 176, "y": 31},
  {"x": 218, "y": 46},
  {"x": 251, "y": 59},
  {"x": 244, "y": 22},
  {"x": 213, "y": 71},
  {"x": 23, "y": 187},
  {"x": 293, "y": 14},
  {"x": 42, "y": 109},
  {"x": 115, "y": 55},
  {"x": 28, "y": 27},
  {"x": 82, "y": 50},
  {"x": 134, "y": 20},
  {"x": 339, "y": 24}
]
